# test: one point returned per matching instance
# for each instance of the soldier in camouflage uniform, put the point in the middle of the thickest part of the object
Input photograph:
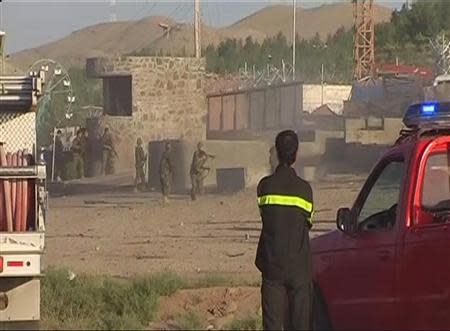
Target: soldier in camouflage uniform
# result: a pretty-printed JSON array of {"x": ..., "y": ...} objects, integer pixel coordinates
[
  {"x": 198, "y": 170},
  {"x": 78, "y": 152},
  {"x": 140, "y": 159},
  {"x": 166, "y": 172},
  {"x": 109, "y": 153}
]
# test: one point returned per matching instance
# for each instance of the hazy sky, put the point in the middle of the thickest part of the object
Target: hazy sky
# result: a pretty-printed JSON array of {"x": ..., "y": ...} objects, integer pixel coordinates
[{"x": 31, "y": 23}]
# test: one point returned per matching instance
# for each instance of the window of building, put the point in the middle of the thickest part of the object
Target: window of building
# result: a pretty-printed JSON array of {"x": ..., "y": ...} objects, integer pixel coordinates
[
  {"x": 374, "y": 123},
  {"x": 117, "y": 95}
]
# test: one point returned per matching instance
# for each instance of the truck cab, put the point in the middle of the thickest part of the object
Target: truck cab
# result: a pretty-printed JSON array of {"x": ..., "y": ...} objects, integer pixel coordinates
[{"x": 387, "y": 264}]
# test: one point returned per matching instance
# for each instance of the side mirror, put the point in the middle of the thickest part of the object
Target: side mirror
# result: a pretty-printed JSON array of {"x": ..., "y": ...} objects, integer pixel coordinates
[{"x": 345, "y": 222}]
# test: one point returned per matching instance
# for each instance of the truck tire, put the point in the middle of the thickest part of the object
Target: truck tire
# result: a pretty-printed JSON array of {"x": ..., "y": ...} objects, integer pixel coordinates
[{"x": 321, "y": 319}]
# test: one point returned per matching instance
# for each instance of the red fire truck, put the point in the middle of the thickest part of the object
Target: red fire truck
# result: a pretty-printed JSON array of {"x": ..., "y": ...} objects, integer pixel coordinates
[
  {"x": 23, "y": 201},
  {"x": 387, "y": 266}
]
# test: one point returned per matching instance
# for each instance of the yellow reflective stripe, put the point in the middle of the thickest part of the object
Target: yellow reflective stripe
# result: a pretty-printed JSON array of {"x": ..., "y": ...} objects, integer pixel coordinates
[{"x": 285, "y": 200}]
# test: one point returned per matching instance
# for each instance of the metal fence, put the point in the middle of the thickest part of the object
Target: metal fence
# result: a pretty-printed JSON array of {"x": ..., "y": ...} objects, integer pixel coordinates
[{"x": 249, "y": 111}]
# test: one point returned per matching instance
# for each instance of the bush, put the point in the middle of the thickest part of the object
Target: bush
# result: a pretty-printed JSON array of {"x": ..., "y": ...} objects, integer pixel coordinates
[
  {"x": 250, "y": 323},
  {"x": 102, "y": 303}
]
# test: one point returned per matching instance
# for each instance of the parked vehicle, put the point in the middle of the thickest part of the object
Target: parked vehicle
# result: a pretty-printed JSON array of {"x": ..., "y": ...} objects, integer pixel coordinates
[
  {"x": 387, "y": 265},
  {"x": 23, "y": 201}
]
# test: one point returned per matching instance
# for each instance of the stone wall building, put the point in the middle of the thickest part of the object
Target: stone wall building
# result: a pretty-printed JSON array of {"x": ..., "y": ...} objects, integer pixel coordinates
[{"x": 155, "y": 98}]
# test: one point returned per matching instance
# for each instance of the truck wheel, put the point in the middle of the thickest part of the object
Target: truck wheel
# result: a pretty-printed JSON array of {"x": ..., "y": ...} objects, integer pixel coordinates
[{"x": 321, "y": 320}]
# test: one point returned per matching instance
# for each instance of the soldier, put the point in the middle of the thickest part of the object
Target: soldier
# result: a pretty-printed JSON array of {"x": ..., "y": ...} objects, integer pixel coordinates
[
  {"x": 77, "y": 152},
  {"x": 166, "y": 172},
  {"x": 59, "y": 156},
  {"x": 109, "y": 153},
  {"x": 84, "y": 148},
  {"x": 140, "y": 159},
  {"x": 198, "y": 170}
]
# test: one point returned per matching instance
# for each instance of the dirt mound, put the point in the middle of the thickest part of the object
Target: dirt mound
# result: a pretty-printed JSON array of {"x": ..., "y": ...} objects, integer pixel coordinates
[{"x": 215, "y": 308}]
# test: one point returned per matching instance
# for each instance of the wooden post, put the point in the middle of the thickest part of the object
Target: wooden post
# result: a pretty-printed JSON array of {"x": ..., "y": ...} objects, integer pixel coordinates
[
  {"x": 235, "y": 113},
  {"x": 222, "y": 117}
]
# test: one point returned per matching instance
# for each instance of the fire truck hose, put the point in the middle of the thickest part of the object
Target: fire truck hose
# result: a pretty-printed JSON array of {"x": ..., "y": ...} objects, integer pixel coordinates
[
  {"x": 18, "y": 205},
  {"x": 25, "y": 193},
  {"x": 6, "y": 193},
  {"x": 14, "y": 194}
]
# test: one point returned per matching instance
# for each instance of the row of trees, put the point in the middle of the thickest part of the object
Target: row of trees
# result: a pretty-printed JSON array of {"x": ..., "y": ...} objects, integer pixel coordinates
[
  {"x": 335, "y": 54},
  {"x": 405, "y": 38}
]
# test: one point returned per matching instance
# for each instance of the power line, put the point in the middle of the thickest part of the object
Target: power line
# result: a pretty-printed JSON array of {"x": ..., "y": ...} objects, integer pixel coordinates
[
  {"x": 150, "y": 10},
  {"x": 186, "y": 15}
]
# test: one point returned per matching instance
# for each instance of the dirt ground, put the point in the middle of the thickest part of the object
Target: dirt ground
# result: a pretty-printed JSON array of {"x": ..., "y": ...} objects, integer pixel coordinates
[{"x": 103, "y": 227}]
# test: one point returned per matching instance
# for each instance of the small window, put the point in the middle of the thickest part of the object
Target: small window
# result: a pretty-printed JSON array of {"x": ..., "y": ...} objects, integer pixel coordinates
[
  {"x": 117, "y": 95},
  {"x": 379, "y": 209},
  {"x": 436, "y": 185},
  {"x": 374, "y": 123}
]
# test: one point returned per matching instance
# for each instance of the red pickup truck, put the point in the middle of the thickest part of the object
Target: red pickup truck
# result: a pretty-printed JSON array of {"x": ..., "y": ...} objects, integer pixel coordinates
[{"x": 387, "y": 266}]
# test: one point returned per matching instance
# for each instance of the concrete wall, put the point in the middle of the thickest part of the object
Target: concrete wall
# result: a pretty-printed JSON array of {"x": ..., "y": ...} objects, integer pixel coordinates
[
  {"x": 318, "y": 146},
  {"x": 333, "y": 96},
  {"x": 437, "y": 93},
  {"x": 168, "y": 101},
  {"x": 356, "y": 132},
  {"x": 251, "y": 155}
]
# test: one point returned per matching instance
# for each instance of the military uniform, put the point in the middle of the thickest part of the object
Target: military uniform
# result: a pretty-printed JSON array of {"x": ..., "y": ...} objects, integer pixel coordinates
[
  {"x": 283, "y": 255},
  {"x": 108, "y": 154},
  {"x": 198, "y": 172},
  {"x": 59, "y": 158},
  {"x": 165, "y": 173},
  {"x": 77, "y": 151},
  {"x": 139, "y": 159}
]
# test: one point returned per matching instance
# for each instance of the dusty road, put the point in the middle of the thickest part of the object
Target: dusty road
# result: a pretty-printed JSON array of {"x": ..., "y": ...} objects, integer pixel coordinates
[{"x": 122, "y": 233}]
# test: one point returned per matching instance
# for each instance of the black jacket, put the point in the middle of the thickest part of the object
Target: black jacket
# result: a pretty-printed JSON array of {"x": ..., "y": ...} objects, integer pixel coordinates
[{"x": 286, "y": 204}]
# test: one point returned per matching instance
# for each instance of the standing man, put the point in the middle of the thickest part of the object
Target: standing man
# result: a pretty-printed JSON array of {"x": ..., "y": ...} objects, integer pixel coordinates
[
  {"x": 84, "y": 147},
  {"x": 59, "y": 156},
  {"x": 77, "y": 152},
  {"x": 108, "y": 153},
  {"x": 198, "y": 170},
  {"x": 166, "y": 172},
  {"x": 283, "y": 256},
  {"x": 140, "y": 159}
]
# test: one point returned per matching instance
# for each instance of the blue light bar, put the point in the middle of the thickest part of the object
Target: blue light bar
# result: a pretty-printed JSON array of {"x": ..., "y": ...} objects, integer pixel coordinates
[
  {"x": 429, "y": 114},
  {"x": 429, "y": 108}
]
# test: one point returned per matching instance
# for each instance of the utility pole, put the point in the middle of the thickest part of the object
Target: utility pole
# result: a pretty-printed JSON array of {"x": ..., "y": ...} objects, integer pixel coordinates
[
  {"x": 294, "y": 33},
  {"x": 113, "y": 13},
  {"x": 198, "y": 45}
]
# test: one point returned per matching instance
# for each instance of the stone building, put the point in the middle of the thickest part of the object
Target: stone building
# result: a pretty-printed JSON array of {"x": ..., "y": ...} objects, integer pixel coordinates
[{"x": 155, "y": 98}]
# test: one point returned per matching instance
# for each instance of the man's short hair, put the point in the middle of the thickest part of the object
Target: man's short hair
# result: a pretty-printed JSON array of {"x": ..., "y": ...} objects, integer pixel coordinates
[
  {"x": 286, "y": 144},
  {"x": 59, "y": 132}
]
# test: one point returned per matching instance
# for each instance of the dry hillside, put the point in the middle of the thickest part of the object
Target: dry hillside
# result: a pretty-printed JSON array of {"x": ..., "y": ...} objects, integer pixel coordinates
[
  {"x": 126, "y": 37},
  {"x": 324, "y": 20}
]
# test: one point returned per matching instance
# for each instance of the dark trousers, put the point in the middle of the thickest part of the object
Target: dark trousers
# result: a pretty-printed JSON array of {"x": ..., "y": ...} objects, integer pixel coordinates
[{"x": 286, "y": 305}]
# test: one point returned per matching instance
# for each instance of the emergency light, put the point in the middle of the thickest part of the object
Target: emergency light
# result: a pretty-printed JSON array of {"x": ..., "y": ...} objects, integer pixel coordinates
[{"x": 428, "y": 114}]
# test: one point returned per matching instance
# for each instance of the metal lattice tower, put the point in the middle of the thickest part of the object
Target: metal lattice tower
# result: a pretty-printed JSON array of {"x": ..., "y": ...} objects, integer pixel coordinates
[
  {"x": 441, "y": 51},
  {"x": 364, "y": 39}
]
